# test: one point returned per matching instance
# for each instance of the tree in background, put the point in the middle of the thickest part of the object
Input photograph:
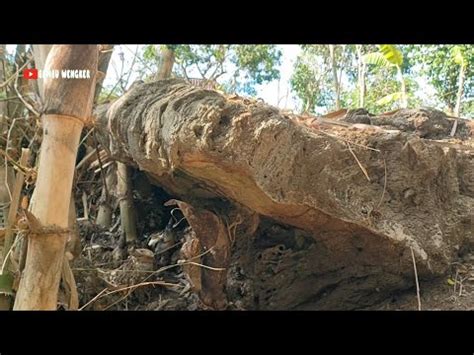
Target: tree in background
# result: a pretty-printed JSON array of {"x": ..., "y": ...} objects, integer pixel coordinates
[
  {"x": 450, "y": 70},
  {"x": 319, "y": 72},
  {"x": 237, "y": 68},
  {"x": 461, "y": 60},
  {"x": 307, "y": 80},
  {"x": 352, "y": 76}
]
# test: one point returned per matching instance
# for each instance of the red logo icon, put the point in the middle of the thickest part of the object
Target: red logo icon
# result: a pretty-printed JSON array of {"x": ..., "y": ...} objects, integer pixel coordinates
[{"x": 30, "y": 73}]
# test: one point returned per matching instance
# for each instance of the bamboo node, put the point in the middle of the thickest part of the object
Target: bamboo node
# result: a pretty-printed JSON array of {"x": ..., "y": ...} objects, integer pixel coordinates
[
  {"x": 78, "y": 120},
  {"x": 30, "y": 225}
]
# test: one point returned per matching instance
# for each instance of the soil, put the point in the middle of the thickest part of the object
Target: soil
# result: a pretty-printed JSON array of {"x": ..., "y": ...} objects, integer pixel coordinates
[
  {"x": 281, "y": 259},
  {"x": 96, "y": 267}
]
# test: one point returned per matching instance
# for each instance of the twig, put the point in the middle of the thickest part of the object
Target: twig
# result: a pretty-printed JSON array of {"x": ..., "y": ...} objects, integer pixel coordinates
[
  {"x": 384, "y": 184},
  {"x": 85, "y": 159},
  {"x": 101, "y": 294},
  {"x": 455, "y": 280},
  {"x": 139, "y": 58},
  {"x": 93, "y": 299},
  {"x": 27, "y": 105},
  {"x": 117, "y": 223},
  {"x": 131, "y": 67},
  {"x": 13, "y": 162},
  {"x": 416, "y": 279},
  {"x": 5, "y": 83},
  {"x": 201, "y": 265},
  {"x": 358, "y": 162},
  {"x": 86, "y": 135},
  {"x": 169, "y": 248},
  {"x": 7, "y": 256},
  {"x": 84, "y": 204},
  {"x": 133, "y": 288},
  {"x": 348, "y": 141}
]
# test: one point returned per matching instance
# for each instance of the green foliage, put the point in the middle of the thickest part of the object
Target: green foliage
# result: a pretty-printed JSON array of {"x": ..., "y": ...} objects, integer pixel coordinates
[
  {"x": 468, "y": 108},
  {"x": 377, "y": 59},
  {"x": 260, "y": 62},
  {"x": 313, "y": 79},
  {"x": 392, "y": 54},
  {"x": 458, "y": 56},
  {"x": 383, "y": 92},
  {"x": 150, "y": 53},
  {"x": 388, "y": 55},
  {"x": 440, "y": 64},
  {"x": 395, "y": 96},
  {"x": 306, "y": 81},
  {"x": 241, "y": 68},
  {"x": 245, "y": 66}
]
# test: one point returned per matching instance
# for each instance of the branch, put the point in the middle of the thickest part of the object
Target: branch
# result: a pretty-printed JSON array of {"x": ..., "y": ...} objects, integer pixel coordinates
[
  {"x": 27, "y": 105},
  {"x": 5, "y": 83}
]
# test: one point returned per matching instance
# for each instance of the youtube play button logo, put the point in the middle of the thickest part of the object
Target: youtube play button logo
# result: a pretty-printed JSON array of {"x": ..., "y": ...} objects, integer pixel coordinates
[{"x": 30, "y": 74}]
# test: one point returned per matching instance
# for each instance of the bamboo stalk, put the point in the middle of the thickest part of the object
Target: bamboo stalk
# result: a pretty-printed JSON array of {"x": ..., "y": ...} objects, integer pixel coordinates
[
  {"x": 104, "y": 215},
  {"x": 127, "y": 215},
  {"x": 5, "y": 302},
  {"x": 67, "y": 105}
]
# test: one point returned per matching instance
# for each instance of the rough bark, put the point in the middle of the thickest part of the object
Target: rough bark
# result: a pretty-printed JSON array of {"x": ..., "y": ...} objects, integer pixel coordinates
[
  {"x": 104, "y": 60},
  {"x": 67, "y": 106},
  {"x": 329, "y": 235},
  {"x": 166, "y": 64}
]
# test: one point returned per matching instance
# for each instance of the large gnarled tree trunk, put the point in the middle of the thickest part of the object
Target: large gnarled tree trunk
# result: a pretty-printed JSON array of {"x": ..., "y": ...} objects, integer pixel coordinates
[{"x": 340, "y": 210}]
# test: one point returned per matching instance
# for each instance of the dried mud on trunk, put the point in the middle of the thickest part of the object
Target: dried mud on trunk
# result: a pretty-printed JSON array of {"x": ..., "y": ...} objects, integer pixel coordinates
[{"x": 317, "y": 215}]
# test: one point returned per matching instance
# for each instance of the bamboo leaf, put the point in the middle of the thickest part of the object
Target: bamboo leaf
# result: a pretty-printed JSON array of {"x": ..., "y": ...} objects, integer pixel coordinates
[
  {"x": 457, "y": 55},
  {"x": 389, "y": 98},
  {"x": 391, "y": 54},
  {"x": 377, "y": 59}
]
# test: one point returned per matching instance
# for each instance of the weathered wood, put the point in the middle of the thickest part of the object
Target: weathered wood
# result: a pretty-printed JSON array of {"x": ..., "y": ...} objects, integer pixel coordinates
[
  {"x": 199, "y": 144},
  {"x": 105, "y": 55}
]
